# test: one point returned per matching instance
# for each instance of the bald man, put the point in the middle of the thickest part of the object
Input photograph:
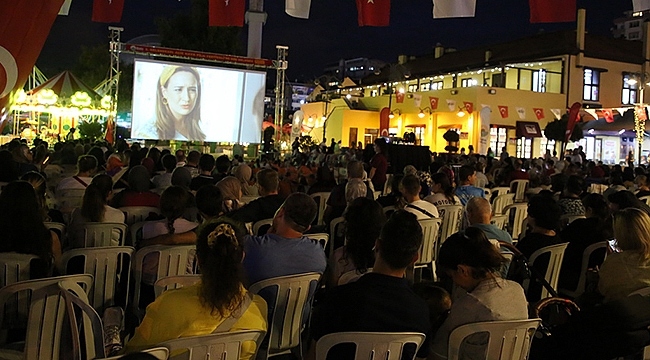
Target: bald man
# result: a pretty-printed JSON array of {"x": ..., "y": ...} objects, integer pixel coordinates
[{"x": 479, "y": 214}]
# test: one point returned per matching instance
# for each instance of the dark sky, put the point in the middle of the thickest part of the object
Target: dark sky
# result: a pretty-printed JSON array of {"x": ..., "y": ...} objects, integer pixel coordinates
[{"x": 331, "y": 33}]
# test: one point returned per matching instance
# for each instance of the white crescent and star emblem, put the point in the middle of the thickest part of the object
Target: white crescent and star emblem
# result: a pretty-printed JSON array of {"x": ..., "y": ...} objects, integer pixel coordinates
[
  {"x": 371, "y": 1},
  {"x": 227, "y": 2},
  {"x": 8, "y": 63}
]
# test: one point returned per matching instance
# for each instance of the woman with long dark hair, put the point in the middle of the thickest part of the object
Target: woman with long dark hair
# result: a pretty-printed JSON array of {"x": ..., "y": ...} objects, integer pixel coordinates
[
  {"x": 442, "y": 192},
  {"x": 202, "y": 308},
  {"x": 364, "y": 220},
  {"x": 22, "y": 225}
]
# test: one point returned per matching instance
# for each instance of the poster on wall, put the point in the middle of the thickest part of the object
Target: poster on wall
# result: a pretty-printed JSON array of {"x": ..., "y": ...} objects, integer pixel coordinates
[
  {"x": 609, "y": 151},
  {"x": 484, "y": 141}
]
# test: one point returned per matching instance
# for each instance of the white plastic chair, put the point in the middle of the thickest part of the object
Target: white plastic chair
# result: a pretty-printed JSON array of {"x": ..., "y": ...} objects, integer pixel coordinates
[
  {"x": 160, "y": 353},
  {"x": 389, "y": 210},
  {"x": 516, "y": 214},
  {"x": 565, "y": 220},
  {"x": 58, "y": 228},
  {"x": 220, "y": 346},
  {"x": 487, "y": 192},
  {"x": 337, "y": 226},
  {"x": 370, "y": 345},
  {"x": 500, "y": 190},
  {"x": 451, "y": 216},
  {"x": 292, "y": 297},
  {"x": 172, "y": 260},
  {"x": 103, "y": 263},
  {"x": 259, "y": 224},
  {"x": 175, "y": 282},
  {"x": 644, "y": 199},
  {"x": 15, "y": 299},
  {"x": 68, "y": 199},
  {"x": 135, "y": 233},
  {"x": 582, "y": 280},
  {"x": 322, "y": 238},
  {"x": 597, "y": 188},
  {"x": 386, "y": 189},
  {"x": 519, "y": 187},
  {"x": 15, "y": 267},
  {"x": 101, "y": 234},
  {"x": 500, "y": 203},
  {"x": 322, "y": 204},
  {"x": 427, "y": 253},
  {"x": 135, "y": 214},
  {"x": 508, "y": 340},
  {"x": 499, "y": 221},
  {"x": 552, "y": 273},
  {"x": 351, "y": 276}
]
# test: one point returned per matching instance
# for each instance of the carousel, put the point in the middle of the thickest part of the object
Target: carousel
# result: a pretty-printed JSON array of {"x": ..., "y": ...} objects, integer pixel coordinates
[{"x": 51, "y": 109}]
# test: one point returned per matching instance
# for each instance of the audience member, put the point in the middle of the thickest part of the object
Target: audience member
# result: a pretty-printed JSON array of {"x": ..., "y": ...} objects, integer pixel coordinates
[
  {"x": 337, "y": 203},
  {"x": 467, "y": 190},
  {"x": 192, "y": 163},
  {"x": 164, "y": 180},
  {"x": 266, "y": 205},
  {"x": 570, "y": 202},
  {"x": 380, "y": 301},
  {"x": 411, "y": 192},
  {"x": 222, "y": 167},
  {"x": 379, "y": 164},
  {"x": 209, "y": 203},
  {"x": 243, "y": 173},
  {"x": 206, "y": 165},
  {"x": 442, "y": 191},
  {"x": 137, "y": 194},
  {"x": 86, "y": 168},
  {"x": 231, "y": 192},
  {"x": 479, "y": 215},
  {"x": 392, "y": 198}
]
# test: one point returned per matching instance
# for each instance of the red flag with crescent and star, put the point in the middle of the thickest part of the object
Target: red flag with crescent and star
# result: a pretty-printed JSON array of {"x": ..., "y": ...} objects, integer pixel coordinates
[
  {"x": 399, "y": 97},
  {"x": 539, "y": 113},
  {"x": 433, "y": 102},
  {"x": 608, "y": 115},
  {"x": 469, "y": 106},
  {"x": 504, "y": 111},
  {"x": 107, "y": 11},
  {"x": 574, "y": 115},
  {"x": 24, "y": 26},
  {"x": 227, "y": 12},
  {"x": 373, "y": 12}
]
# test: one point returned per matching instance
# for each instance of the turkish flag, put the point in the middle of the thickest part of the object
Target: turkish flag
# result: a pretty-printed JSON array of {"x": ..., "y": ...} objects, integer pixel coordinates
[
  {"x": 539, "y": 113},
  {"x": 373, "y": 12},
  {"x": 107, "y": 11},
  {"x": 399, "y": 97},
  {"x": 227, "y": 12},
  {"x": 433, "y": 102},
  {"x": 574, "y": 114},
  {"x": 504, "y": 111},
  {"x": 608, "y": 115},
  {"x": 24, "y": 26},
  {"x": 549, "y": 11},
  {"x": 639, "y": 111},
  {"x": 384, "y": 121},
  {"x": 469, "y": 106}
]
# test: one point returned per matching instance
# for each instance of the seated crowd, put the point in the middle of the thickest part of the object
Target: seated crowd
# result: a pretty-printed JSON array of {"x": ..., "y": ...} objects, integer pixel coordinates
[{"x": 368, "y": 275}]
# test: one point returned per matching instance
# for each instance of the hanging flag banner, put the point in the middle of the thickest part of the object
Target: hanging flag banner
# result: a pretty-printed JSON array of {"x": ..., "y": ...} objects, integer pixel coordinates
[
  {"x": 485, "y": 106},
  {"x": 484, "y": 118},
  {"x": 608, "y": 115},
  {"x": 226, "y": 12},
  {"x": 453, "y": 8},
  {"x": 469, "y": 106},
  {"x": 504, "y": 111},
  {"x": 574, "y": 113},
  {"x": 417, "y": 100},
  {"x": 557, "y": 113},
  {"x": 65, "y": 8},
  {"x": 384, "y": 121},
  {"x": 640, "y": 5},
  {"x": 433, "y": 102},
  {"x": 297, "y": 8},
  {"x": 373, "y": 12},
  {"x": 451, "y": 104},
  {"x": 399, "y": 97},
  {"x": 549, "y": 11},
  {"x": 539, "y": 113},
  {"x": 639, "y": 113},
  {"x": 24, "y": 29},
  {"x": 522, "y": 113},
  {"x": 107, "y": 11}
]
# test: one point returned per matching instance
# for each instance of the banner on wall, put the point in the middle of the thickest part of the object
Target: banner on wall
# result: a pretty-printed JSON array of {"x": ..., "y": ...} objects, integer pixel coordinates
[
  {"x": 484, "y": 119},
  {"x": 384, "y": 121}
]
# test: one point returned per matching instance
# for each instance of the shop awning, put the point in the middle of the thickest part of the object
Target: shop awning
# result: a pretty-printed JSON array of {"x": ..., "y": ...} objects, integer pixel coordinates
[{"x": 528, "y": 129}]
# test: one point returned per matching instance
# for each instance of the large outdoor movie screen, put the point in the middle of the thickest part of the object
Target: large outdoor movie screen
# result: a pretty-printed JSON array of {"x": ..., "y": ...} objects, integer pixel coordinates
[{"x": 174, "y": 101}]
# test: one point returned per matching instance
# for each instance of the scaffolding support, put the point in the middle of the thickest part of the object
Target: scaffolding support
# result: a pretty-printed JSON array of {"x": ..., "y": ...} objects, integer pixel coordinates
[
  {"x": 115, "y": 47},
  {"x": 281, "y": 65}
]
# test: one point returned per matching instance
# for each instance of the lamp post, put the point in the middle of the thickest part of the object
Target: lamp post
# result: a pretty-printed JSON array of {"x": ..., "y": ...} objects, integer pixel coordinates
[{"x": 640, "y": 118}]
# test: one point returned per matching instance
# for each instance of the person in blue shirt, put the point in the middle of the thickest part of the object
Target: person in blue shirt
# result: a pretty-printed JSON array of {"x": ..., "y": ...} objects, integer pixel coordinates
[
  {"x": 466, "y": 190},
  {"x": 479, "y": 215}
]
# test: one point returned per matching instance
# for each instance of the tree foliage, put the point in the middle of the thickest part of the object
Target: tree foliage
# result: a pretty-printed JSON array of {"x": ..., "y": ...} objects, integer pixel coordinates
[
  {"x": 91, "y": 129},
  {"x": 556, "y": 129},
  {"x": 191, "y": 31}
]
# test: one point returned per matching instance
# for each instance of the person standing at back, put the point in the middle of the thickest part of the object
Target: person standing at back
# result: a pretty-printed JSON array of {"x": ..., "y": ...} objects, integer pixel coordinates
[{"x": 467, "y": 190}]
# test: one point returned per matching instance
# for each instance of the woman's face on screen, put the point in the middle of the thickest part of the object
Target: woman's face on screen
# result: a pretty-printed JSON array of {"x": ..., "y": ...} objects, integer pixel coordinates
[{"x": 181, "y": 93}]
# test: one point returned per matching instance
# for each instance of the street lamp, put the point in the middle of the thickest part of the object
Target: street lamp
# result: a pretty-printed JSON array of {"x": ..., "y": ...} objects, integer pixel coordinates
[
  {"x": 640, "y": 116},
  {"x": 422, "y": 112}
]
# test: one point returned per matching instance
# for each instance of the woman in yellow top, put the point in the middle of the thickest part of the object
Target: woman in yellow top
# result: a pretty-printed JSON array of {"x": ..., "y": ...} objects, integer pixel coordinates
[{"x": 200, "y": 309}]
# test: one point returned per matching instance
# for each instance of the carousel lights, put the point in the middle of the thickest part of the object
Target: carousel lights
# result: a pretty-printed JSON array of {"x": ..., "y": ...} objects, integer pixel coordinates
[
  {"x": 106, "y": 102},
  {"x": 47, "y": 97},
  {"x": 81, "y": 99},
  {"x": 21, "y": 97}
]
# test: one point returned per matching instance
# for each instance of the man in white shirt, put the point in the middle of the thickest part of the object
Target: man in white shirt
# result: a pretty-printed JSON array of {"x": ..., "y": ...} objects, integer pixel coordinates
[
  {"x": 86, "y": 168},
  {"x": 411, "y": 187}
]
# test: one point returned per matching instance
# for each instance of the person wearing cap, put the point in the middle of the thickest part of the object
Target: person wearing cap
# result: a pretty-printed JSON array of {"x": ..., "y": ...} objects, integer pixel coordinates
[
  {"x": 284, "y": 250},
  {"x": 178, "y": 107}
]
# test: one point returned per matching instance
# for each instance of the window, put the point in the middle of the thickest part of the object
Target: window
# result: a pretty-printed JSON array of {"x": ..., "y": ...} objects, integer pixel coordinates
[
  {"x": 524, "y": 148},
  {"x": 436, "y": 85},
  {"x": 539, "y": 81},
  {"x": 545, "y": 144},
  {"x": 374, "y": 93},
  {"x": 634, "y": 24},
  {"x": 468, "y": 82},
  {"x": 499, "y": 80},
  {"x": 425, "y": 86},
  {"x": 591, "y": 84},
  {"x": 630, "y": 89},
  {"x": 413, "y": 88},
  {"x": 498, "y": 139},
  {"x": 634, "y": 36}
]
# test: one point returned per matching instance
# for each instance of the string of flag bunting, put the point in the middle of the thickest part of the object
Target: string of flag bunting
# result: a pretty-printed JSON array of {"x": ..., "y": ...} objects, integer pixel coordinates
[{"x": 370, "y": 12}]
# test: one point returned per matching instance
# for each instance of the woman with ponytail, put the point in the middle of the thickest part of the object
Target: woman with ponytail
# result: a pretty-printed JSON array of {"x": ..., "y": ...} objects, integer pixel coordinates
[
  {"x": 480, "y": 294},
  {"x": 94, "y": 208},
  {"x": 218, "y": 303}
]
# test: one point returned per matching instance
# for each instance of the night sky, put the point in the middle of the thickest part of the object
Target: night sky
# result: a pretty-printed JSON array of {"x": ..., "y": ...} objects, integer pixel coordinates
[{"x": 331, "y": 33}]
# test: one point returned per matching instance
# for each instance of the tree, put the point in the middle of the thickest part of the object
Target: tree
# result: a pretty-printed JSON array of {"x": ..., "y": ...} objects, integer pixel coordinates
[
  {"x": 556, "y": 129},
  {"x": 191, "y": 32}
]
